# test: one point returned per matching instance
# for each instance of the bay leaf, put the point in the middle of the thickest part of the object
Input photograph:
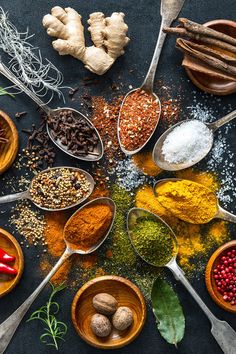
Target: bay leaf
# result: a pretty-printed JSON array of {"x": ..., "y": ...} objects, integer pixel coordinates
[{"x": 168, "y": 312}]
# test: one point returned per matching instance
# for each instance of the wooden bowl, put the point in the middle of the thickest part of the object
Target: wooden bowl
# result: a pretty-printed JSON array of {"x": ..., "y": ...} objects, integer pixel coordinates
[
  {"x": 208, "y": 83},
  {"x": 9, "y": 244},
  {"x": 210, "y": 283},
  {"x": 126, "y": 293},
  {"x": 9, "y": 150}
]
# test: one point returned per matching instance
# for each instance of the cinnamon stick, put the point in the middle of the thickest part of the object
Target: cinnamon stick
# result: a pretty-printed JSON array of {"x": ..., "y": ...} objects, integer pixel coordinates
[
  {"x": 201, "y": 38},
  {"x": 206, "y": 31},
  {"x": 209, "y": 60},
  {"x": 199, "y": 66},
  {"x": 212, "y": 52}
]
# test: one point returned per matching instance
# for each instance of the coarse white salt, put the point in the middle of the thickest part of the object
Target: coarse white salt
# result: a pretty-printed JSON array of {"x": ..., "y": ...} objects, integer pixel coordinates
[{"x": 187, "y": 143}]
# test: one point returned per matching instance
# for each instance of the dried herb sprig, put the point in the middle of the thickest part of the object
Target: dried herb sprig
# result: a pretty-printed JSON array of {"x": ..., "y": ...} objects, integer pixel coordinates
[
  {"x": 3, "y": 92},
  {"x": 54, "y": 330}
]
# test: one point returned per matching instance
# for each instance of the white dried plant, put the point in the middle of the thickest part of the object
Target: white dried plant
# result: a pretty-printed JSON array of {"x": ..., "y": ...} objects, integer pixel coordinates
[{"x": 26, "y": 62}]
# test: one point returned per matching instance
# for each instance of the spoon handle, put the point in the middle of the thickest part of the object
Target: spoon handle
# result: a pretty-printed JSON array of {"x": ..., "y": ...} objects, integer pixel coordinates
[
  {"x": 9, "y": 326},
  {"x": 10, "y": 76},
  {"x": 225, "y": 215},
  {"x": 170, "y": 9},
  {"x": 13, "y": 197},
  {"x": 223, "y": 333},
  {"x": 222, "y": 121}
]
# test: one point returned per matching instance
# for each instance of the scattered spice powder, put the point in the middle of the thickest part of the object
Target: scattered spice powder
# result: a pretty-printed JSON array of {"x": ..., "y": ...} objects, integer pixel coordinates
[
  {"x": 144, "y": 161},
  {"x": 138, "y": 119},
  {"x": 170, "y": 112}
]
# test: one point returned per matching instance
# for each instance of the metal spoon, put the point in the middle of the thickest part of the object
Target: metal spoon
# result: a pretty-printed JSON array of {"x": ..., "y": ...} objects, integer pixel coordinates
[
  {"x": 220, "y": 214},
  {"x": 96, "y": 155},
  {"x": 9, "y": 326},
  {"x": 27, "y": 195},
  {"x": 170, "y": 10},
  {"x": 223, "y": 333},
  {"x": 159, "y": 158}
]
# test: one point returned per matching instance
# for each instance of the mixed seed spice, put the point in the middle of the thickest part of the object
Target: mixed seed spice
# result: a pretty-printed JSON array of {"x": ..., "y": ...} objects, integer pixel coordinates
[{"x": 59, "y": 188}]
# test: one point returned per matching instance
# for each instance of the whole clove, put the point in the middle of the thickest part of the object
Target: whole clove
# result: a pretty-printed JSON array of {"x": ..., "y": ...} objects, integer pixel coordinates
[
  {"x": 20, "y": 114},
  {"x": 74, "y": 132}
]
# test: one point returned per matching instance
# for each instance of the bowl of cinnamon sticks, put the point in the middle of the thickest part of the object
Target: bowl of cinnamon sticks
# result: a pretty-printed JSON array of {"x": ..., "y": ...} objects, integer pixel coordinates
[
  {"x": 9, "y": 142},
  {"x": 209, "y": 54}
]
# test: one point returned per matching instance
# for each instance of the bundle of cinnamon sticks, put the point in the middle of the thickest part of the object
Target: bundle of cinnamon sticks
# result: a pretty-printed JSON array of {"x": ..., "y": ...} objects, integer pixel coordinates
[{"x": 208, "y": 51}]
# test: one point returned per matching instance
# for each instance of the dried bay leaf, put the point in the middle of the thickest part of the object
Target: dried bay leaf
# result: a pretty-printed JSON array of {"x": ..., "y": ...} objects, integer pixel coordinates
[{"x": 168, "y": 312}]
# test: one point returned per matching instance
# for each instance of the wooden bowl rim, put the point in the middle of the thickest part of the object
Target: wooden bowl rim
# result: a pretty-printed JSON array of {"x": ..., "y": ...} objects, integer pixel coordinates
[
  {"x": 21, "y": 261},
  {"x": 125, "y": 281},
  {"x": 208, "y": 276},
  {"x": 193, "y": 75}
]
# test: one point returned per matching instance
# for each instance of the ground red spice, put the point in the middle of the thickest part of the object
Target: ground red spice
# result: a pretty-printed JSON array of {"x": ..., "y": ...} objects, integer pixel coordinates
[
  {"x": 105, "y": 117},
  {"x": 138, "y": 119}
]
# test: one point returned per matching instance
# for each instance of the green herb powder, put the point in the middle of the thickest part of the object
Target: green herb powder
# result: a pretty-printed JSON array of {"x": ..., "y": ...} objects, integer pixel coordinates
[{"x": 153, "y": 241}]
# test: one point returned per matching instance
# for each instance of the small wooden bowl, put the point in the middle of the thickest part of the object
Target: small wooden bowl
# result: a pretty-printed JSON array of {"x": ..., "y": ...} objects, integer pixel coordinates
[
  {"x": 210, "y": 283},
  {"x": 208, "y": 83},
  {"x": 9, "y": 244},
  {"x": 9, "y": 150},
  {"x": 126, "y": 293}
]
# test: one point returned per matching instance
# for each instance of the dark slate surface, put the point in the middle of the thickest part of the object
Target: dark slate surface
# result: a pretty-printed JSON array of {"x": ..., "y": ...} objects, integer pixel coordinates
[{"x": 144, "y": 21}]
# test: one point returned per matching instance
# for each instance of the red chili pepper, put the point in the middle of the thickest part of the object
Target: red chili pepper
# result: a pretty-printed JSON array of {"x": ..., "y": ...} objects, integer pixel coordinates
[
  {"x": 5, "y": 257},
  {"x": 6, "y": 269}
]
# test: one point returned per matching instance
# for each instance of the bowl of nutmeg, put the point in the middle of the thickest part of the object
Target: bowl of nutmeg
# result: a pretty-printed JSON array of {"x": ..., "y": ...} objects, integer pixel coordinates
[{"x": 108, "y": 312}]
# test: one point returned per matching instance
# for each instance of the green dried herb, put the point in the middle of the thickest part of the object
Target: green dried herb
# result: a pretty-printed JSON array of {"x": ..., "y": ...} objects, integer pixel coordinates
[
  {"x": 55, "y": 330},
  {"x": 168, "y": 312},
  {"x": 153, "y": 241},
  {"x": 4, "y": 92}
]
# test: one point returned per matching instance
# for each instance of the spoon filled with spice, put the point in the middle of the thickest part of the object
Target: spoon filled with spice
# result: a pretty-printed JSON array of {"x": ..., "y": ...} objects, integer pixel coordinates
[
  {"x": 57, "y": 188},
  {"x": 68, "y": 128},
  {"x": 155, "y": 242},
  {"x": 141, "y": 108},
  {"x": 186, "y": 143},
  {"x": 84, "y": 233},
  {"x": 190, "y": 201}
]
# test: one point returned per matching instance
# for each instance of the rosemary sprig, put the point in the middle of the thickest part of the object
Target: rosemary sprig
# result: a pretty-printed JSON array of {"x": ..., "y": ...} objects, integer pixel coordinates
[
  {"x": 4, "y": 92},
  {"x": 55, "y": 330}
]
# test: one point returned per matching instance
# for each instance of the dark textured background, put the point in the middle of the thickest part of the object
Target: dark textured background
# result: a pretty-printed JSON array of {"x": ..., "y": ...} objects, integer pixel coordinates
[{"x": 143, "y": 19}]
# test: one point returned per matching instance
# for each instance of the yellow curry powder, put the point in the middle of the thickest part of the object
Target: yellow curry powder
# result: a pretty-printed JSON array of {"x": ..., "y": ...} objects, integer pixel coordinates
[
  {"x": 188, "y": 200},
  {"x": 195, "y": 241},
  {"x": 144, "y": 162}
]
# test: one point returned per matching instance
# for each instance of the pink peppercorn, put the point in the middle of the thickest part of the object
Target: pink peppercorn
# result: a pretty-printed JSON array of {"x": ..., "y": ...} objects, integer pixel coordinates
[{"x": 225, "y": 276}]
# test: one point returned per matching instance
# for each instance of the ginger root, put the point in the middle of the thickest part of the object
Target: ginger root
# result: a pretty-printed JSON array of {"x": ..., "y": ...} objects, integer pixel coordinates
[{"x": 108, "y": 35}]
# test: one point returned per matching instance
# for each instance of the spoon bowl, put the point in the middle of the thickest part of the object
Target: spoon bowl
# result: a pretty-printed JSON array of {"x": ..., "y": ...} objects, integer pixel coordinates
[
  {"x": 223, "y": 333},
  {"x": 98, "y": 201},
  {"x": 98, "y": 152},
  {"x": 136, "y": 213},
  {"x": 158, "y": 156},
  {"x": 132, "y": 152},
  {"x": 220, "y": 214},
  {"x": 27, "y": 194}
]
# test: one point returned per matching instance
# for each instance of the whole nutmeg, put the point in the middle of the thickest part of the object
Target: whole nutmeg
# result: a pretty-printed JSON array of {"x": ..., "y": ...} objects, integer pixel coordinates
[
  {"x": 100, "y": 325},
  {"x": 122, "y": 318},
  {"x": 105, "y": 304}
]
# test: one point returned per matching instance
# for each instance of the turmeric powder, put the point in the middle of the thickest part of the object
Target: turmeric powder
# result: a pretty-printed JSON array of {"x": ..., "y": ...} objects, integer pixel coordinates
[
  {"x": 88, "y": 225},
  {"x": 187, "y": 200}
]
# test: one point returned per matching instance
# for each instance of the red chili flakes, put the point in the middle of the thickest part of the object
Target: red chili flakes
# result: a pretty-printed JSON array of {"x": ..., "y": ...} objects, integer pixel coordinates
[
  {"x": 138, "y": 119},
  {"x": 105, "y": 118},
  {"x": 170, "y": 111}
]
